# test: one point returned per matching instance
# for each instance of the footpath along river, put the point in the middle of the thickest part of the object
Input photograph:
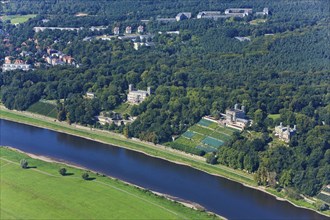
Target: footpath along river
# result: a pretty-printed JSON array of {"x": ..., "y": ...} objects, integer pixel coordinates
[{"x": 219, "y": 195}]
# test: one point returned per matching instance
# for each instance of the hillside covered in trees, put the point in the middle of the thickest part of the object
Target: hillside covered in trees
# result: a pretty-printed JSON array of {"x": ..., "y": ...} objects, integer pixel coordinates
[{"x": 283, "y": 70}]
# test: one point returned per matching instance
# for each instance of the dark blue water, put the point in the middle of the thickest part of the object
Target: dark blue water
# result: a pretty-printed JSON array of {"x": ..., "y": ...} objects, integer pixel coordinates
[{"x": 219, "y": 195}]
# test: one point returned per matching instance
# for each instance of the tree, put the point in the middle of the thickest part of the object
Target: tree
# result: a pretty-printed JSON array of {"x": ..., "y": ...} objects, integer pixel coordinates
[
  {"x": 211, "y": 158},
  {"x": 286, "y": 178},
  {"x": 85, "y": 176},
  {"x": 24, "y": 164},
  {"x": 62, "y": 171},
  {"x": 261, "y": 176}
]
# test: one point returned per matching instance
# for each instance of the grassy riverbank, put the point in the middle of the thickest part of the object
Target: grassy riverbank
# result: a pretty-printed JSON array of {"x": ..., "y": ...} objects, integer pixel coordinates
[
  {"x": 41, "y": 192},
  {"x": 147, "y": 148}
]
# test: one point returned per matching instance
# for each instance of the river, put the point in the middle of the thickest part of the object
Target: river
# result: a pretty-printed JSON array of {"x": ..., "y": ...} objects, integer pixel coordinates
[{"x": 219, "y": 195}]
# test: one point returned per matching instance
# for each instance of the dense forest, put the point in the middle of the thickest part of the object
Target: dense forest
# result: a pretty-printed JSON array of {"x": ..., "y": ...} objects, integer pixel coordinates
[{"x": 284, "y": 69}]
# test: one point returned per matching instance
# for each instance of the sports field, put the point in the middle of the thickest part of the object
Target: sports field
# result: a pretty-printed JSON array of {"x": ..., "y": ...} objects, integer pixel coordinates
[
  {"x": 205, "y": 136},
  {"x": 40, "y": 192}
]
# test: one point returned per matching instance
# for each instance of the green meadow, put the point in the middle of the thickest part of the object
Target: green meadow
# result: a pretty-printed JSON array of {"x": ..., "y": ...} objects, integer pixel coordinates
[
  {"x": 40, "y": 192},
  {"x": 17, "y": 19}
]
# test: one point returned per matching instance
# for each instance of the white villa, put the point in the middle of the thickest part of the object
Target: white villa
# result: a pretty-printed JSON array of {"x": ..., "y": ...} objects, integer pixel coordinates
[{"x": 137, "y": 96}]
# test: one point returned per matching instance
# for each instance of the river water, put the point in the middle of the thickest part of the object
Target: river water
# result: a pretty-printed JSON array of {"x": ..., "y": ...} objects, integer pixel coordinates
[{"x": 226, "y": 198}]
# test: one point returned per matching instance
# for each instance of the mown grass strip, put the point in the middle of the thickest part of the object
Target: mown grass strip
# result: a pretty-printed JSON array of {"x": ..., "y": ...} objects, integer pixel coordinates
[{"x": 70, "y": 197}]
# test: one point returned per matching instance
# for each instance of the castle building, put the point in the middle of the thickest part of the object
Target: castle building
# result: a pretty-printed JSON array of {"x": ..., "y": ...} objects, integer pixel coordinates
[
  {"x": 285, "y": 133},
  {"x": 137, "y": 96},
  {"x": 235, "y": 117}
]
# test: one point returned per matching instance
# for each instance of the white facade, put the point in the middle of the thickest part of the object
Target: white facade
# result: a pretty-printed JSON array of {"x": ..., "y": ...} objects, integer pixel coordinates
[
  {"x": 137, "y": 96},
  {"x": 140, "y": 29},
  {"x": 128, "y": 30},
  {"x": 9, "y": 67},
  {"x": 116, "y": 31}
]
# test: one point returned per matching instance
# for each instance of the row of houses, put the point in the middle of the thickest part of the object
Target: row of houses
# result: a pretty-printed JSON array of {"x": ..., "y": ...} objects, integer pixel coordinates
[
  {"x": 55, "y": 57},
  {"x": 41, "y": 29},
  {"x": 128, "y": 30},
  {"x": 15, "y": 65},
  {"x": 230, "y": 12},
  {"x": 134, "y": 96}
]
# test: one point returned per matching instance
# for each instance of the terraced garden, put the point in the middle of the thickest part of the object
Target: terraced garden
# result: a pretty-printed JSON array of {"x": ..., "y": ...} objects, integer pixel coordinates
[{"x": 203, "y": 137}]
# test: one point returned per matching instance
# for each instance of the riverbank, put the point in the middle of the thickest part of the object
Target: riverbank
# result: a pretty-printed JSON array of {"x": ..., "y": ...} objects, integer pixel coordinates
[
  {"x": 148, "y": 149},
  {"x": 49, "y": 189},
  {"x": 188, "y": 204}
]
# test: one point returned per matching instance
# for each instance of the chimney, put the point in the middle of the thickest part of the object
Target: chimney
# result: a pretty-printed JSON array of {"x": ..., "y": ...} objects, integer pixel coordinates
[
  {"x": 281, "y": 124},
  {"x": 243, "y": 108},
  {"x": 294, "y": 127},
  {"x": 149, "y": 90},
  {"x": 130, "y": 87},
  {"x": 236, "y": 106}
]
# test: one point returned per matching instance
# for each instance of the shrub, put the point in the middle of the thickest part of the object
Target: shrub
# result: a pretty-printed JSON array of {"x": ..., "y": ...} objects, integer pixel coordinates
[
  {"x": 62, "y": 171},
  {"x": 85, "y": 176},
  {"x": 211, "y": 158},
  {"x": 321, "y": 206},
  {"x": 24, "y": 164}
]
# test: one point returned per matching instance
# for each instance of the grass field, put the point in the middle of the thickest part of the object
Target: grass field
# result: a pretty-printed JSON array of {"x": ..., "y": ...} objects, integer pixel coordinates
[
  {"x": 258, "y": 21},
  {"x": 274, "y": 116},
  {"x": 42, "y": 193},
  {"x": 123, "y": 108},
  {"x": 204, "y": 136},
  {"x": 17, "y": 19},
  {"x": 44, "y": 108}
]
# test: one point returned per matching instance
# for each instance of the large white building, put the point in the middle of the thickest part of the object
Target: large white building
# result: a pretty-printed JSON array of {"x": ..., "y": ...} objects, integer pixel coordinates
[
  {"x": 137, "y": 96},
  {"x": 235, "y": 117},
  {"x": 17, "y": 65}
]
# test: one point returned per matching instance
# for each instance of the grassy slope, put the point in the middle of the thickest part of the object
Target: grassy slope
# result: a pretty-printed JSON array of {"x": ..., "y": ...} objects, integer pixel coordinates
[
  {"x": 43, "y": 193},
  {"x": 43, "y": 108}
]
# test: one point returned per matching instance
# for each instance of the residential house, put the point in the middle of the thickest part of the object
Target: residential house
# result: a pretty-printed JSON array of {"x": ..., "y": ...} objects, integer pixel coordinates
[
  {"x": 182, "y": 16},
  {"x": 263, "y": 13},
  {"x": 237, "y": 11},
  {"x": 140, "y": 29},
  {"x": 241, "y": 39},
  {"x": 209, "y": 14},
  {"x": 128, "y": 30},
  {"x": 90, "y": 95},
  {"x": 116, "y": 31}
]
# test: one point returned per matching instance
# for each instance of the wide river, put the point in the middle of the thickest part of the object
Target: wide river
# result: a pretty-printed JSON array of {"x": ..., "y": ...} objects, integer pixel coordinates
[{"x": 227, "y": 198}]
